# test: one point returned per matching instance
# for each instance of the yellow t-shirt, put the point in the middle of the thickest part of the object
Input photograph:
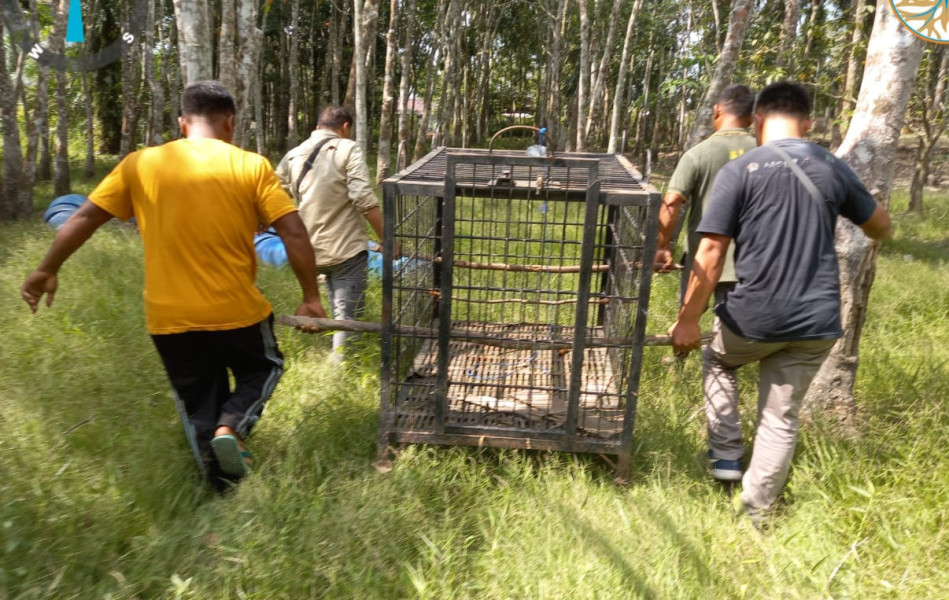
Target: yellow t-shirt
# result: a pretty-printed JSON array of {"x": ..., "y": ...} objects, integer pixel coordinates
[{"x": 198, "y": 203}]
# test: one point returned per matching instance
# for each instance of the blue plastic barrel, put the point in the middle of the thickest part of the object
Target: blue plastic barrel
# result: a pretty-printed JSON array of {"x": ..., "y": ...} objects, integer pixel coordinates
[
  {"x": 270, "y": 248},
  {"x": 60, "y": 209}
]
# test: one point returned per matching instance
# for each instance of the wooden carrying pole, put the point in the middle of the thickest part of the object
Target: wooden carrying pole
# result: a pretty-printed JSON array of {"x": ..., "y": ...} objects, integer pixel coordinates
[{"x": 468, "y": 335}]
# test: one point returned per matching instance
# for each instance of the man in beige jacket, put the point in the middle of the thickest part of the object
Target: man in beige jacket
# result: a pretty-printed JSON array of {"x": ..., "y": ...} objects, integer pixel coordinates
[{"x": 328, "y": 178}]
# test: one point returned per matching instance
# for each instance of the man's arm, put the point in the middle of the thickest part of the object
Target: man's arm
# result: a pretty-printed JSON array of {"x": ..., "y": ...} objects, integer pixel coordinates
[
  {"x": 73, "y": 234},
  {"x": 878, "y": 226},
  {"x": 668, "y": 217},
  {"x": 292, "y": 231},
  {"x": 706, "y": 270}
]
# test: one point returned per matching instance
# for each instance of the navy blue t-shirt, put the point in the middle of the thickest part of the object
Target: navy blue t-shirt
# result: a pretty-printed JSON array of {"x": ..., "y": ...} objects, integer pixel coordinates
[{"x": 788, "y": 282}]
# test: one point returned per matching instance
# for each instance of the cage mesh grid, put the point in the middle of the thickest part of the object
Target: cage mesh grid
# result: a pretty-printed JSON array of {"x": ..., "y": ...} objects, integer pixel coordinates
[{"x": 517, "y": 313}]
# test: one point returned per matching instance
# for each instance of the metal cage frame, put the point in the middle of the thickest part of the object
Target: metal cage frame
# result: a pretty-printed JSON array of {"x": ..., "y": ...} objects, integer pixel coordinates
[{"x": 437, "y": 367}]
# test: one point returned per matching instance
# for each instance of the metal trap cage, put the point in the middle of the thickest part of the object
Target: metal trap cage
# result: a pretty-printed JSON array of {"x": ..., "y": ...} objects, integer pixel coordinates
[{"x": 516, "y": 314}]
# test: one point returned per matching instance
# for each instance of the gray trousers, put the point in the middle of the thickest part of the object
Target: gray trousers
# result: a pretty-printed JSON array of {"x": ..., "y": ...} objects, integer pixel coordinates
[
  {"x": 786, "y": 370},
  {"x": 346, "y": 283}
]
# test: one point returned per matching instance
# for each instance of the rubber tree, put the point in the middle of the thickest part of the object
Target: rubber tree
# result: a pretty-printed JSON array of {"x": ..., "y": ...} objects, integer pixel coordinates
[
  {"x": 724, "y": 69},
  {"x": 893, "y": 57},
  {"x": 194, "y": 39}
]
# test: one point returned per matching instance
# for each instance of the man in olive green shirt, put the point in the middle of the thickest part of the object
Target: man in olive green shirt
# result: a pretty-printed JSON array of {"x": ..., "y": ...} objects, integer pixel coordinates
[{"x": 691, "y": 183}]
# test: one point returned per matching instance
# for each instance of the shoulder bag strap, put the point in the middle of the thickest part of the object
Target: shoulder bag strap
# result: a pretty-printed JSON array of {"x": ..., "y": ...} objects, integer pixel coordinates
[
  {"x": 309, "y": 164},
  {"x": 808, "y": 183}
]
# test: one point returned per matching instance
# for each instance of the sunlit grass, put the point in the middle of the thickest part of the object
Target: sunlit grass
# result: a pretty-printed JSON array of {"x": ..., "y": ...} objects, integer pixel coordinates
[{"x": 99, "y": 499}]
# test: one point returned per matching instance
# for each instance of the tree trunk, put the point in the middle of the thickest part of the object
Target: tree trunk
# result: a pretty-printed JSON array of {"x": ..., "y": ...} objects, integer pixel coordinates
[
  {"x": 44, "y": 168},
  {"x": 11, "y": 207},
  {"x": 785, "y": 57},
  {"x": 606, "y": 57},
  {"x": 846, "y": 102},
  {"x": 336, "y": 48},
  {"x": 893, "y": 56},
  {"x": 131, "y": 107},
  {"x": 558, "y": 21},
  {"x": 737, "y": 24},
  {"x": 157, "y": 82},
  {"x": 194, "y": 36},
  {"x": 57, "y": 43},
  {"x": 407, "y": 47},
  {"x": 384, "y": 155},
  {"x": 364, "y": 28},
  {"x": 584, "y": 74},
  {"x": 421, "y": 137},
  {"x": 933, "y": 122},
  {"x": 619, "y": 95},
  {"x": 227, "y": 46},
  {"x": 293, "y": 109},
  {"x": 811, "y": 28},
  {"x": 249, "y": 49}
]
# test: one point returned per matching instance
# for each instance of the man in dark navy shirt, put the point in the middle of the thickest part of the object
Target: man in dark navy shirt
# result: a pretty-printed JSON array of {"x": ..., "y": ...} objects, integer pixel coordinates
[{"x": 779, "y": 205}]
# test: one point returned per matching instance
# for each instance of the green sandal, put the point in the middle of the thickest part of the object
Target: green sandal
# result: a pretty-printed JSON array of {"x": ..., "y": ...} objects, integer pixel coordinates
[{"x": 233, "y": 459}]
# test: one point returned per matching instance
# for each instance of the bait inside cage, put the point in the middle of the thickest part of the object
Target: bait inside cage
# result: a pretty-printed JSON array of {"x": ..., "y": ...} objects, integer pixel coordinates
[{"x": 518, "y": 315}]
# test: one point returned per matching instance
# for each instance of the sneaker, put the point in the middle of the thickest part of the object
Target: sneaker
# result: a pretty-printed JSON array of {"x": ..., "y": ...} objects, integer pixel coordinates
[{"x": 724, "y": 470}]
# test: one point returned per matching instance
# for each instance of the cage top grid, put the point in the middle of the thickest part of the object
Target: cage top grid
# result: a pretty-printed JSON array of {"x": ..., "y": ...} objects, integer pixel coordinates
[{"x": 620, "y": 182}]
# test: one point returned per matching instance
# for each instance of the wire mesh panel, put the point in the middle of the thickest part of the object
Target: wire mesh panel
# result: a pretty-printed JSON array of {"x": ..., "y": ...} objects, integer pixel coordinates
[{"x": 517, "y": 315}]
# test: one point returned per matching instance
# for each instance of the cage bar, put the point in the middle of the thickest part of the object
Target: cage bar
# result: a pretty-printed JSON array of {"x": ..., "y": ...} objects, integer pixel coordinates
[{"x": 535, "y": 272}]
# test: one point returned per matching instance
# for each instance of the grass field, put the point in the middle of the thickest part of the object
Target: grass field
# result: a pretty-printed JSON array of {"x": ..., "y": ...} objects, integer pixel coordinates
[{"x": 99, "y": 497}]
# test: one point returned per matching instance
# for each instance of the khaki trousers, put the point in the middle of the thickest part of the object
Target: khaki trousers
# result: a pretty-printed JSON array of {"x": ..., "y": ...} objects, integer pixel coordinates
[{"x": 786, "y": 371}]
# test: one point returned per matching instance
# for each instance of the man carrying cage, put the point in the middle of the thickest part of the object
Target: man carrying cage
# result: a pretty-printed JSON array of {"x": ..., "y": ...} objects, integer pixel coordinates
[
  {"x": 197, "y": 202},
  {"x": 691, "y": 183},
  {"x": 328, "y": 177},
  {"x": 778, "y": 204}
]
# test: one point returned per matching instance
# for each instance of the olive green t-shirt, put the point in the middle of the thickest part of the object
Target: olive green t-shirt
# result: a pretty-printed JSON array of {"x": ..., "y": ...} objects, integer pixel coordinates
[{"x": 693, "y": 179}]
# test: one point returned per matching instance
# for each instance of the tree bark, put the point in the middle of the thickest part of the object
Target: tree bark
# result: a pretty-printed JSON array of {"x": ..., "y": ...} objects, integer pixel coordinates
[
  {"x": 44, "y": 168},
  {"x": 194, "y": 36},
  {"x": 421, "y": 137},
  {"x": 365, "y": 16},
  {"x": 932, "y": 122},
  {"x": 599, "y": 84},
  {"x": 384, "y": 155},
  {"x": 293, "y": 109},
  {"x": 407, "y": 47},
  {"x": 157, "y": 82},
  {"x": 619, "y": 95},
  {"x": 227, "y": 46},
  {"x": 727, "y": 58},
  {"x": 61, "y": 184},
  {"x": 893, "y": 56},
  {"x": 131, "y": 107},
  {"x": 557, "y": 21},
  {"x": 11, "y": 207},
  {"x": 846, "y": 102},
  {"x": 584, "y": 75},
  {"x": 785, "y": 56}
]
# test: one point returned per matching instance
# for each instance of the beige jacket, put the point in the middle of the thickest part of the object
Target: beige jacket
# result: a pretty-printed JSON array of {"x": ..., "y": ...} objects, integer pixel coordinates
[{"x": 333, "y": 195}]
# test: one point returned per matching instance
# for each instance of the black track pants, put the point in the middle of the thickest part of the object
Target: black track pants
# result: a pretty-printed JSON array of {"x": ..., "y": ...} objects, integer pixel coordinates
[{"x": 197, "y": 363}]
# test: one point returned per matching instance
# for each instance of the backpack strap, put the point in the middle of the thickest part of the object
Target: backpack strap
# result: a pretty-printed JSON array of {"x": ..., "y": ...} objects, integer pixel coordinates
[
  {"x": 804, "y": 179},
  {"x": 309, "y": 164}
]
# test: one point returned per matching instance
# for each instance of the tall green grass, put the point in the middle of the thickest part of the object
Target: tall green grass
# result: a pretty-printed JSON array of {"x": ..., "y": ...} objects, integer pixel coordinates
[{"x": 99, "y": 497}]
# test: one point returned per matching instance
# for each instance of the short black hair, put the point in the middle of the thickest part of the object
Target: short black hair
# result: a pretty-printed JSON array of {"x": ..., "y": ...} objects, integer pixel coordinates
[
  {"x": 785, "y": 97},
  {"x": 737, "y": 100},
  {"x": 207, "y": 99},
  {"x": 334, "y": 117}
]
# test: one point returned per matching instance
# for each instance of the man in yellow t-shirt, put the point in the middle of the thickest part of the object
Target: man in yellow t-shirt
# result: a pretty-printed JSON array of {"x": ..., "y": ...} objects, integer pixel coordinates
[{"x": 197, "y": 202}]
